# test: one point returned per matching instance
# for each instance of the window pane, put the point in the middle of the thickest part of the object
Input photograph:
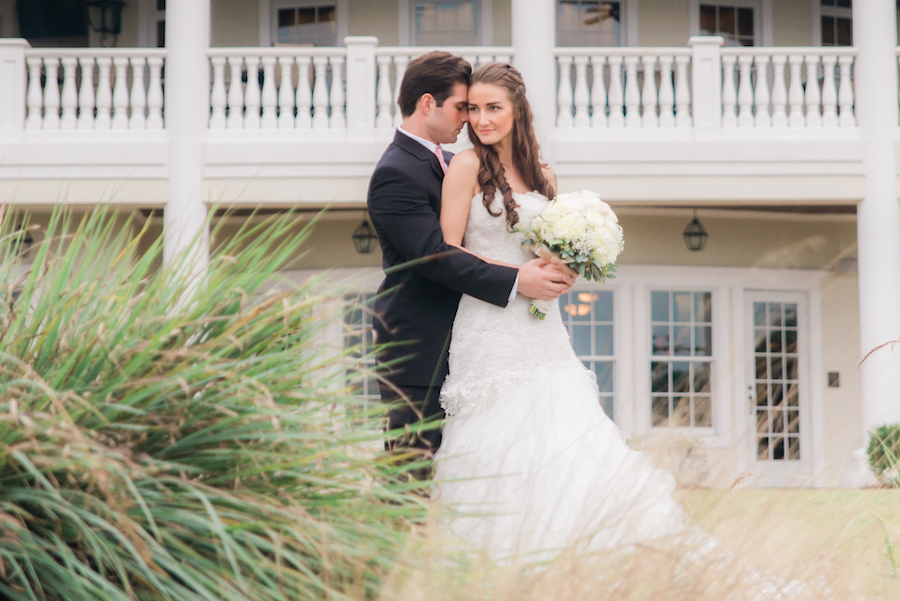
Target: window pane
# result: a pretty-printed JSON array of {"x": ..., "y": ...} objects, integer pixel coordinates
[
  {"x": 160, "y": 4},
  {"x": 828, "y": 31},
  {"x": 726, "y": 20},
  {"x": 701, "y": 377},
  {"x": 707, "y": 19},
  {"x": 603, "y": 306},
  {"x": 659, "y": 377},
  {"x": 682, "y": 342},
  {"x": 604, "y": 371},
  {"x": 588, "y": 23},
  {"x": 703, "y": 341},
  {"x": 659, "y": 306},
  {"x": 703, "y": 307},
  {"x": 844, "y": 3},
  {"x": 446, "y": 23},
  {"x": 702, "y": 412},
  {"x": 660, "y": 413},
  {"x": 661, "y": 340},
  {"x": 681, "y": 377},
  {"x": 681, "y": 306},
  {"x": 603, "y": 340},
  {"x": 745, "y": 22},
  {"x": 844, "y": 28},
  {"x": 581, "y": 340}
]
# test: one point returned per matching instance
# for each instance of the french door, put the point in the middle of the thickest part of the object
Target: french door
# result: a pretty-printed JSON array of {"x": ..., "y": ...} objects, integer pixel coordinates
[{"x": 778, "y": 392}]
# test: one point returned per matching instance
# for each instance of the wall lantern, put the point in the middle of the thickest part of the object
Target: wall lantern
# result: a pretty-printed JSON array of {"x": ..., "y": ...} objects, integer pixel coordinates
[
  {"x": 21, "y": 240},
  {"x": 110, "y": 13},
  {"x": 694, "y": 234},
  {"x": 364, "y": 237}
]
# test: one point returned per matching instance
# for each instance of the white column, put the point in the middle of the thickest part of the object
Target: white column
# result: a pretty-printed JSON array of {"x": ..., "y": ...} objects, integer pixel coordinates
[
  {"x": 878, "y": 215},
  {"x": 187, "y": 115},
  {"x": 361, "y": 87},
  {"x": 534, "y": 39}
]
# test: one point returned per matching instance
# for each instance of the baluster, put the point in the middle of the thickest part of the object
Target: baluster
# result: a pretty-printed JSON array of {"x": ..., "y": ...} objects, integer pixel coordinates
[
  {"x": 400, "y": 63},
  {"x": 616, "y": 94},
  {"x": 795, "y": 92},
  {"x": 69, "y": 94},
  {"x": 120, "y": 93},
  {"x": 682, "y": 92},
  {"x": 779, "y": 92},
  {"x": 632, "y": 94},
  {"x": 336, "y": 98},
  {"x": 484, "y": 59},
  {"x": 286, "y": 93},
  {"x": 252, "y": 94},
  {"x": 235, "y": 93},
  {"x": 104, "y": 94},
  {"x": 582, "y": 97},
  {"x": 218, "y": 98},
  {"x": 564, "y": 93},
  {"x": 320, "y": 93},
  {"x": 51, "y": 93},
  {"x": 304, "y": 95},
  {"x": 649, "y": 96},
  {"x": 761, "y": 98},
  {"x": 503, "y": 58},
  {"x": 86, "y": 94},
  {"x": 729, "y": 94},
  {"x": 846, "y": 117},
  {"x": 155, "y": 93},
  {"x": 138, "y": 94},
  {"x": 35, "y": 95},
  {"x": 829, "y": 92},
  {"x": 666, "y": 92},
  {"x": 745, "y": 91},
  {"x": 598, "y": 93},
  {"x": 813, "y": 112},
  {"x": 472, "y": 60},
  {"x": 269, "y": 94},
  {"x": 383, "y": 99}
]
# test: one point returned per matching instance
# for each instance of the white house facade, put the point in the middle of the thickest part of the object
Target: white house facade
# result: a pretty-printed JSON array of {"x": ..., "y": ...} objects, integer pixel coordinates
[{"x": 773, "y": 123}]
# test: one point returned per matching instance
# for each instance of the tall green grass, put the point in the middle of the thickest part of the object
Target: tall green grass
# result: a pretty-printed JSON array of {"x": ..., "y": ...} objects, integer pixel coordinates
[{"x": 158, "y": 444}]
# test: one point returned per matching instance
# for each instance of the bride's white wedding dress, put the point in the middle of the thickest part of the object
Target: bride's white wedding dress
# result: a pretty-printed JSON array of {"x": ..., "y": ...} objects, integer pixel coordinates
[
  {"x": 527, "y": 453},
  {"x": 529, "y": 460}
]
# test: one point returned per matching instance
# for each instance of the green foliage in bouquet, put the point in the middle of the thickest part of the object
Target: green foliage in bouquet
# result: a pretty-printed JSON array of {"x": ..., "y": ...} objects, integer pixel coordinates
[
  {"x": 158, "y": 448},
  {"x": 884, "y": 453}
]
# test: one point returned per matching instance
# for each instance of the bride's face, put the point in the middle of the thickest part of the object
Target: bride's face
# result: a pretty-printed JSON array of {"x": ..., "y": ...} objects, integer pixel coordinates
[{"x": 491, "y": 113}]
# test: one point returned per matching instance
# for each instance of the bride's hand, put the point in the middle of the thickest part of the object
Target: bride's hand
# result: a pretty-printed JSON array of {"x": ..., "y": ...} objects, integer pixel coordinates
[{"x": 541, "y": 279}]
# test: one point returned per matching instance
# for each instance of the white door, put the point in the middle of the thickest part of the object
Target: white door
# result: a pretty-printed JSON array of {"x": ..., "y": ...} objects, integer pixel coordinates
[{"x": 778, "y": 396}]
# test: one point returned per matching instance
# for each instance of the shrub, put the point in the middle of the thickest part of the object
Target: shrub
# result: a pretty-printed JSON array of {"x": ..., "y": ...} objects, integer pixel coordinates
[
  {"x": 153, "y": 447},
  {"x": 884, "y": 453}
]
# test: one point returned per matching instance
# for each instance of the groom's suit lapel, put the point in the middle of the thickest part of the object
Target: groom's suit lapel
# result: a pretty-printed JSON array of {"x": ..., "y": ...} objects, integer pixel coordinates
[{"x": 421, "y": 153}]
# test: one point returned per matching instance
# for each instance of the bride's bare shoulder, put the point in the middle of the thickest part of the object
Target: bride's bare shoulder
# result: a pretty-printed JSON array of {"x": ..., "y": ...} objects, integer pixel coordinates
[{"x": 466, "y": 160}]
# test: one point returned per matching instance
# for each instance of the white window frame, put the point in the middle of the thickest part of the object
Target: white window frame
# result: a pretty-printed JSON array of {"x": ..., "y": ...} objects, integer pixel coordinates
[
  {"x": 621, "y": 346},
  {"x": 762, "y": 17},
  {"x": 628, "y": 22},
  {"x": 834, "y": 11},
  {"x": 147, "y": 17},
  {"x": 406, "y": 22},
  {"x": 268, "y": 17}
]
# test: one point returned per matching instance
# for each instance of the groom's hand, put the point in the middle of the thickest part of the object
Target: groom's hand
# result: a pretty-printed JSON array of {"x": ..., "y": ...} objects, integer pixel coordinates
[{"x": 541, "y": 279}]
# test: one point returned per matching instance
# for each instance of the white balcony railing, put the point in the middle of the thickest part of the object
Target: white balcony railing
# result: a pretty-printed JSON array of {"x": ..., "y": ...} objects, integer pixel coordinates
[
  {"x": 94, "y": 89},
  {"x": 754, "y": 88},
  {"x": 350, "y": 92}
]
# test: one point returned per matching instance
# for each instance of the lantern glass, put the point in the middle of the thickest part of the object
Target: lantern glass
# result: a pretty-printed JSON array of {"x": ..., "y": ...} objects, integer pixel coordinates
[
  {"x": 695, "y": 236},
  {"x": 364, "y": 238}
]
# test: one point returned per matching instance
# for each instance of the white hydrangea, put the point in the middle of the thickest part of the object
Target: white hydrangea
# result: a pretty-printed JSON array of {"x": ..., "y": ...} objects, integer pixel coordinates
[{"x": 584, "y": 223}]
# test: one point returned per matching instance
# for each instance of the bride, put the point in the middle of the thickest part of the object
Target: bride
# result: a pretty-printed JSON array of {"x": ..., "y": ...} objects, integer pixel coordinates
[{"x": 528, "y": 456}]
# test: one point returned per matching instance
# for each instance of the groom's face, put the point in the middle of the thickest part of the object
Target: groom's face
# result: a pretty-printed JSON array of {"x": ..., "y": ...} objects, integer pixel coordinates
[{"x": 446, "y": 121}]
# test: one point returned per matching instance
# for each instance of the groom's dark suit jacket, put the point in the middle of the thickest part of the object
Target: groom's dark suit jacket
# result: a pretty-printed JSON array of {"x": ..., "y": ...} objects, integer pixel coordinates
[{"x": 405, "y": 205}]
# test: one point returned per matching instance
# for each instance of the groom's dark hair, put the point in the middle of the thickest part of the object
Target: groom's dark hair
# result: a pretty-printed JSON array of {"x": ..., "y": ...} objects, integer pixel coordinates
[{"x": 434, "y": 73}]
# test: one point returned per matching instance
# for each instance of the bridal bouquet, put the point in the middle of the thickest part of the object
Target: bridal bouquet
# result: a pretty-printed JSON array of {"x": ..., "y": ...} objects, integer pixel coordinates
[{"x": 579, "y": 229}]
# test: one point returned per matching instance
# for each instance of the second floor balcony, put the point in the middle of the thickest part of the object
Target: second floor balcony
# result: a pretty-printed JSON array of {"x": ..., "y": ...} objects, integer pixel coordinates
[{"x": 325, "y": 114}]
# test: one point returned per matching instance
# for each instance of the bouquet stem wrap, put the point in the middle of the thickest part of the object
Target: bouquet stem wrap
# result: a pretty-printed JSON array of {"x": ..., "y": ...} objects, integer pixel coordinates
[{"x": 540, "y": 308}]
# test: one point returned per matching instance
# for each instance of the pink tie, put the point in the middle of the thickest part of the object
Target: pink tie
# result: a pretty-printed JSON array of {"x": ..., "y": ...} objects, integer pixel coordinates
[{"x": 440, "y": 156}]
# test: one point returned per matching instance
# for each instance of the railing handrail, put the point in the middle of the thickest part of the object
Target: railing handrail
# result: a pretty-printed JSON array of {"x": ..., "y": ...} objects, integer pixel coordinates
[
  {"x": 779, "y": 50},
  {"x": 620, "y": 51},
  {"x": 278, "y": 51},
  {"x": 96, "y": 52},
  {"x": 458, "y": 50}
]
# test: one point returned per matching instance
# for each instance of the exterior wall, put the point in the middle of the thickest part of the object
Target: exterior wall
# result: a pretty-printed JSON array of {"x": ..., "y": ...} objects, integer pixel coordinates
[
  {"x": 663, "y": 22},
  {"x": 235, "y": 23},
  {"x": 378, "y": 18},
  {"x": 792, "y": 23}
]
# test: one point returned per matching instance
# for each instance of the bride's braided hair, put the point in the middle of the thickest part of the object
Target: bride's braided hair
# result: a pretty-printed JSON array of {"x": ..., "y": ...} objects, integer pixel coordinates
[{"x": 525, "y": 150}]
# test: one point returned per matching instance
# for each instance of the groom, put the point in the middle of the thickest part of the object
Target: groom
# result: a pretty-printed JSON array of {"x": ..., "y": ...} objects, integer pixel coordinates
[{"x": 424, "y": 276}]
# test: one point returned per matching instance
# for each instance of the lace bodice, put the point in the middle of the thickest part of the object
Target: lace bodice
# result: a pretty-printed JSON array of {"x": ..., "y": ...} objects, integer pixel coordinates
[
  {"x": 487, "y": 235},
  {"x": 492, "y": 347}
]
